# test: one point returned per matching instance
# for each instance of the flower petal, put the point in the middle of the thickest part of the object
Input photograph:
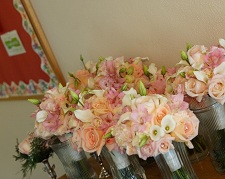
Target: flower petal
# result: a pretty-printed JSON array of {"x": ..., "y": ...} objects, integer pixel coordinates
[{"x": 84, "y": 115}]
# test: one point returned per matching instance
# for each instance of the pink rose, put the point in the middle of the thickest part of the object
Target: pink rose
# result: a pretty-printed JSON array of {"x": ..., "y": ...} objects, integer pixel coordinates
[
  {"x": 145, "y": 151},
  {"x": 217, "y": 88},
  {"x": 164, "y": 144},
  {"x": 25, "y": 146},
  {"x": 49, "y": 105},
  {"x": 195, "y": 88},
  {"x": 92, "y": 139},
  {"x": 196, "y": 56}
]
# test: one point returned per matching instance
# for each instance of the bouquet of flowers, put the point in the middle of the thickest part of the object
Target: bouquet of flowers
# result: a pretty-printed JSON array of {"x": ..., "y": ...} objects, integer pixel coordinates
[
  {"x": 119, "y": 104},
  {"x": 200, "y": 76},
  {"x": 31, "y": 151},
  {"x": 152, "y": 123},
  {"x": 200, "y": 72}
]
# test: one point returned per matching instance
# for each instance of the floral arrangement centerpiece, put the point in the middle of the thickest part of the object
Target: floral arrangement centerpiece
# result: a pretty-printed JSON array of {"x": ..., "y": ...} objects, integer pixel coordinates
[
  {"x": 117, "y": 104},
  {"x": 152, "y": 123},
  {"x": 200, "y": 72},
  {"x": 200, "y": 76},
  {"x": 31, "y": 151}
]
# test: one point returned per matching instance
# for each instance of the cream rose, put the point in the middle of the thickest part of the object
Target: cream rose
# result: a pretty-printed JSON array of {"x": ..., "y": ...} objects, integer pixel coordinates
[
  {"x": 25, "y": 146},
  {"x": 195, "y": 88},
  {"x": 217, "y": 88},
  {"x": 186, "y": 128},
  {"x": 92, "y": 139},
  {"x": 196, "y": 56}
]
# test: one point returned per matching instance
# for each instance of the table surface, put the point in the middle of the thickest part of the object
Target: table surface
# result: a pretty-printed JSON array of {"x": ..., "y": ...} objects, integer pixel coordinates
[{"x": 203, "y": 169}]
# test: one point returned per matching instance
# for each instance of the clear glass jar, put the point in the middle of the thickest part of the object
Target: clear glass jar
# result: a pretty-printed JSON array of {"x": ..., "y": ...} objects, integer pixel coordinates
[
  {"x": 175, "y": 164},
  {"x": 123, "y": 166},
  {"x": 211, "y": 115},
  {"x": 75, "y": 163}
]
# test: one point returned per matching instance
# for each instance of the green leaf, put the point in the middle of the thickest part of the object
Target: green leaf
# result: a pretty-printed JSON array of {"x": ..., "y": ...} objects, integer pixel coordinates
[
  {"x": 143, "y": 141},
  {"x": 82, "y": 60},
  {"x": 183, "y": 74},
  {"x": 188, "y": 46},
  {"x": 145, "y": 69},
  {"x": 124, "y": 88},
  {"x": 142, "y": 89},
  {"x": 74, "y": 95},
  {"x": 183, "y": 55},
  {"x": 163, "y": 71},
  {"x": 130, "y": 70},
  {"x": 108, "y": 135},
  {"x": 34, "y": 101}
]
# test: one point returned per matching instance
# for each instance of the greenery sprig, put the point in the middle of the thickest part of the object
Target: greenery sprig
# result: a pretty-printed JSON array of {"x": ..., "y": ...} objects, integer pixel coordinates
[{"x": 39, "y": 151}]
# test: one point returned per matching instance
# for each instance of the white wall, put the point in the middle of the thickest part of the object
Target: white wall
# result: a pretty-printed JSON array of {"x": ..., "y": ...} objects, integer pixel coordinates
[{"x": 158, "y": 29}]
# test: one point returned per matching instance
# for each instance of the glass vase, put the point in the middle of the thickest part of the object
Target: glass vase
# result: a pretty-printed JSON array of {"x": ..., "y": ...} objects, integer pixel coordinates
[
  {"x": 123, "y": 166},
  {"x": 175, "y": 164},
  {"x": 200, "y": 150},
  {"x": 212, "y": 119},
  {"x": 75, "y": 163}
]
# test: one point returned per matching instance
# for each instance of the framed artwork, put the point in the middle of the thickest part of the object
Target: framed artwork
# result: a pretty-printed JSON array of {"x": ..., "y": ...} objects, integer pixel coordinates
[{"x": 28, "y": 66}]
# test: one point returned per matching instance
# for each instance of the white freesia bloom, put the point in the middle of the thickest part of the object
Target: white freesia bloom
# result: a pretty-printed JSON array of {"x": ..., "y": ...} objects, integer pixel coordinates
[
  {"x": 127, "y": 97},
  {"x": 168, "y": 124},
  {"x": 156, "y": 132},
  {"x": 220, "y": 69},
  {"x": 222, "y": 42},
  {"x": 201, "y": 76},
  {"x": 84, "y": 115},
  {"x": 41, "y": 116}
]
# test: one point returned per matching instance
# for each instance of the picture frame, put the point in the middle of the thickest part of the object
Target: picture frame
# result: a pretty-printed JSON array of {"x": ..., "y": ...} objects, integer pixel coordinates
[{"x": 30, "y": 71}]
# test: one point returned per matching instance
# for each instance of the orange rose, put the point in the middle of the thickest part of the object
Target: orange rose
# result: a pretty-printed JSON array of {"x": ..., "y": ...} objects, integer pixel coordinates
[
  {"x": 92, "y": 139},
  {"x": 100, "y": 106}
]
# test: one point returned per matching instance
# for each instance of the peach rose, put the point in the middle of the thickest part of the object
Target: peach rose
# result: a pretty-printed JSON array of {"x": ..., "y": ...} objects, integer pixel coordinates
[
  {"x": 92, "y": 139},
  {"x": 25, "y": 146},
  {"x": 187, "y": 126},
  {"x": 161, "y": 111},
  {"x": 100, "y": 106},
  {"x": 138, "y": 70},
  {"x": 196, "y": 56},
  {"x": 217, "y": 88},
  {"x": 83, "y": 75},
  {"x": 195, "y": 88}
]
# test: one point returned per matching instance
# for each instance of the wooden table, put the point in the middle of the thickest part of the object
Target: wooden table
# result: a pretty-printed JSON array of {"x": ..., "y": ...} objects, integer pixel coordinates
[{"x": 203, "y": 169}]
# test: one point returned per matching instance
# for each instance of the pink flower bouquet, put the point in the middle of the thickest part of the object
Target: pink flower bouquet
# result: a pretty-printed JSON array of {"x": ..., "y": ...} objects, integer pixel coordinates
[{"x": 200, "y": 72}]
